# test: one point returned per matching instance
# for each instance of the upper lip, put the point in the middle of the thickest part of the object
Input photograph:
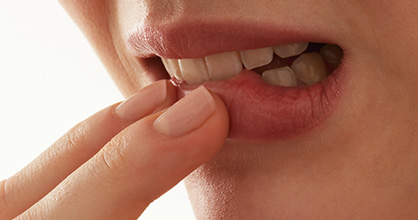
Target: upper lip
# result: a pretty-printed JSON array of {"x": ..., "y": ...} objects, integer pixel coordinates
[{"x": 194, "y": 39}]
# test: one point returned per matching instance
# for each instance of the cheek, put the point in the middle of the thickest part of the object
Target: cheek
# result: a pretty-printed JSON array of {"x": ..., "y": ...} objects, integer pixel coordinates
[
  {"x": 98, "y": 20},
  {"x": 87, "y": 14},
  {"x": 91, "y": 18},
  {"x": 395, "y": 30},
  {"x": 388, "y": 38},
  {"x": 389, "y": 20}
]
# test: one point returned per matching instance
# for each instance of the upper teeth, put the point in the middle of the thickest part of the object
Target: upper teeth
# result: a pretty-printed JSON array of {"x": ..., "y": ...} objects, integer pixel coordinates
[
  {"x": 290, "y": 50},
  {"x": 194, "y": 71},
  {"x": 224, "y": 65},
  {"x": 308, "y": 68},
  {"x": 257, "y": 57}
]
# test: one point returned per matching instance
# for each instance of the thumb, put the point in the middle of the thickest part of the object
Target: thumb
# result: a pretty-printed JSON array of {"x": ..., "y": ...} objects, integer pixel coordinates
[{"x": 141, "y": 163}]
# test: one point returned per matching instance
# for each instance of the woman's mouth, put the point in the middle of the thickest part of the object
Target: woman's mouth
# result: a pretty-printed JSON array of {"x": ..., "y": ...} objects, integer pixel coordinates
[{"x": 271, "y": 93}]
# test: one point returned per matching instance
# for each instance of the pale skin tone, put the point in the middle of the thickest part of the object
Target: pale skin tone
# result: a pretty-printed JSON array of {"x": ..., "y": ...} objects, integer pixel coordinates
[{"x": 358, "y": 164}]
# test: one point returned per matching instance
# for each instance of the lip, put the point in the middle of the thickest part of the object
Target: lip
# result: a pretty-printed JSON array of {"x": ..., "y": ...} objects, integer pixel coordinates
[
  {"x": 195, "y": 39},
  {"x": 258, "y": 111}
]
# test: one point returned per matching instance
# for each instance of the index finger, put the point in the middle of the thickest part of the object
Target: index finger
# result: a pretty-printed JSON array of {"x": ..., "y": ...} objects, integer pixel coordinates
[{"x": 78, "y": 145}]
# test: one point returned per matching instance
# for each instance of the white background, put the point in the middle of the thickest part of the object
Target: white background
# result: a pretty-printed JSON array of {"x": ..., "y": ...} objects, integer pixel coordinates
[{"x": 50, "y": 79}]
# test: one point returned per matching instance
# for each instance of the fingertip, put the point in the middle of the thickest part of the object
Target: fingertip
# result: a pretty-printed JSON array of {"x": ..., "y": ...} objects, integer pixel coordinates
[
  {"x": 221, "y": 114},
  {"x": 190, "y": 113},
  {"x": 171, "y": 96},
  {"x": 191, "y": 131},
  {"x": 148, "y": 100}
]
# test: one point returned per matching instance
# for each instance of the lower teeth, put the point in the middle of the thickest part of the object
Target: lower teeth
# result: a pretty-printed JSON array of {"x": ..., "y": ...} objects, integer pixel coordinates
[
  {"x": 310, "y": 68},
  {"x": 283, "y": 76}
]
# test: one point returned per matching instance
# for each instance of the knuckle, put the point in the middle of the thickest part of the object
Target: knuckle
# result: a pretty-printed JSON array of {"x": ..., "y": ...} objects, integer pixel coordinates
[
  {"x": 75, "y": 137},
  {"x": 32, "y": 214},
  {"x": 113, "y": 157}
]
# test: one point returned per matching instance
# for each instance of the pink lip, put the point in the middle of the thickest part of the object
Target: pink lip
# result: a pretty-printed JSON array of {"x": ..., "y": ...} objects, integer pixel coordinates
[
  {"x": 258, "y": 111},
  {"x": 194, "y": 39}
]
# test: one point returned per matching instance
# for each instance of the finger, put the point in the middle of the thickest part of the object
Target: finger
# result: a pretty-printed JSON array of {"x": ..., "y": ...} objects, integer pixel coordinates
[
  {"x": 140, "y": 163},
  {"x": 77, "y": 146}
]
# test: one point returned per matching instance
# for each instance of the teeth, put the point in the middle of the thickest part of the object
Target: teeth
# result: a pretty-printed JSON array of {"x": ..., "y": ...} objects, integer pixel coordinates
[
  {"x": 283, "y": 76},
  {"x": 173, "y": 68},
  {"x": 194, "y": 71},
  {"x": 290, "y": 50},
  {"x": 310, "y": 68},
  {"x": 332, "y": 54},
  {"x": 223, "y": 66},
  {"x": 257, "y": 57}
]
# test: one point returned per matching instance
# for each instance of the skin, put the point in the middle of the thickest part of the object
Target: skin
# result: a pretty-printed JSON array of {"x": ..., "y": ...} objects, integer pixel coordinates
[
  {"x": 113, "y": 164},
  {"x": 358, "y": 164}
]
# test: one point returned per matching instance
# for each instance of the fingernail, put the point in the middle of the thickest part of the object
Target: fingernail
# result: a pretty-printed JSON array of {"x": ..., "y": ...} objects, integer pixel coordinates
[
  {"x": 143, "y": 102},
  {"x": 187, "y": 114}
]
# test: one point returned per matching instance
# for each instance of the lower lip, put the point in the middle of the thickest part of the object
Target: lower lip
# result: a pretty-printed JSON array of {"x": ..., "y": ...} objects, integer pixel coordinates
[{"x": 261, "y": 112}]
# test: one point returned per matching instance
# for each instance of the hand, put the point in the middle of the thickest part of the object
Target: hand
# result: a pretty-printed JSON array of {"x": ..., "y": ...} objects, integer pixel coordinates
[{"x": 115, "y": 163}]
